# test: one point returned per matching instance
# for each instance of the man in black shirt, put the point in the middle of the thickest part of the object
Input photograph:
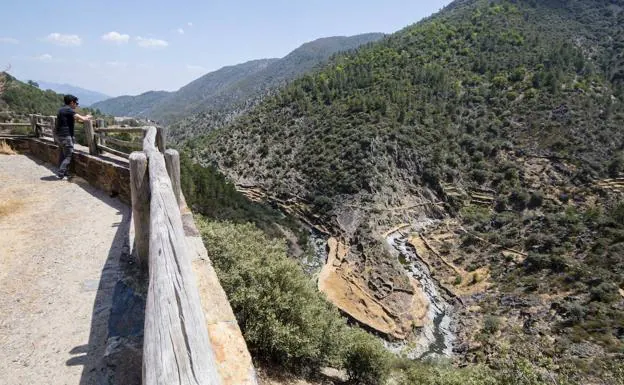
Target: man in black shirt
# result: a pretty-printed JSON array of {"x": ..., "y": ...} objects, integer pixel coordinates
[{"x": 65, "y": 132}]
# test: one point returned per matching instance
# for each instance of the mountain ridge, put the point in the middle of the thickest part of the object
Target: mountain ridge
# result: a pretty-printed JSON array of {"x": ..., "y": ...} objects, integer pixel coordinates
[
  {"x": 87, "y": 97},
  {"x": 233, "y": 85}
]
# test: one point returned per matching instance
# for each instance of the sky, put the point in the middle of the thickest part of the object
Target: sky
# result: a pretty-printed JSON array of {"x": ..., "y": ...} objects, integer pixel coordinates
[{"x": 133, "y": 46}]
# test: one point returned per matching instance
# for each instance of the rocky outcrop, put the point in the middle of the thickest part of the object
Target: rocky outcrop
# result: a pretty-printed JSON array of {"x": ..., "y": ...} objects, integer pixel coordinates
[{"x": 393, "y": 305}]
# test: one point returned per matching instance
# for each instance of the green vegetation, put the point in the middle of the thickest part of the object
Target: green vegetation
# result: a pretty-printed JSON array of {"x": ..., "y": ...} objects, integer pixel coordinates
[
  {"x": 284, "y": 319},
  {"x": 439, "y": 100},
  {"x": 521, "y": 99},
  {"x": 21, "y": 98},
  {"x": 216, "y": 97},
  {"x": 209, "y": 193}
]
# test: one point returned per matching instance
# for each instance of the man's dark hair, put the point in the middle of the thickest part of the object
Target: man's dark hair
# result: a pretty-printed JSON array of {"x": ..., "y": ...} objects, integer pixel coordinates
[{"x": 70, "y": 98}]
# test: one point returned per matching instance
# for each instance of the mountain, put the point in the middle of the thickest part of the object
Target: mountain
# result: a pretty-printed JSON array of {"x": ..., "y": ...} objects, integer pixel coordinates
[
  {"x": 225, "y": 90},
  {"x": 21, "y": 98},
  {"x": 486, "y": 144},
  {"x": 134, "y": 106},
  {"x": 87, "y": 97}
]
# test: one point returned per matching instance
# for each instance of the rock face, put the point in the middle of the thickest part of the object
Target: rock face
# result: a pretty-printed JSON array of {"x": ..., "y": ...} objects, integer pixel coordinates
[{"x": 379, "y": 299}]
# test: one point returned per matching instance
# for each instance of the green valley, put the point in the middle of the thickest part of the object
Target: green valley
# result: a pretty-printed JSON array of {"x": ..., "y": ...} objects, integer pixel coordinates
[{"x": 490, "y": 136}]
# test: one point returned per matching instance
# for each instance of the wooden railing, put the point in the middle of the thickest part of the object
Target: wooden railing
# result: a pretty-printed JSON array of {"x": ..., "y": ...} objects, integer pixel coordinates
[
  {"x": 97, "y": 136},
  {"x": 176, "y": 347},
  {"x": 99, "y": 139}
]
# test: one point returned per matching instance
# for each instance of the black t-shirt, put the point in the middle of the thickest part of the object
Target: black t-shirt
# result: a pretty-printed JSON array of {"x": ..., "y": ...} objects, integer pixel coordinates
[{"x": 65, "y": 121}]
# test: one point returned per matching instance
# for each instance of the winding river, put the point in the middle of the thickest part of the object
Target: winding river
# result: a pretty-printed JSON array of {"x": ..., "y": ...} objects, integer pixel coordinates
[{"x": 436, "y": 337}]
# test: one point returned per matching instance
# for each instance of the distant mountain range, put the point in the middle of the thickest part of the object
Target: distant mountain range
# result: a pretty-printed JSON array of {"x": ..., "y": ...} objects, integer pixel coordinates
[
  {"x": 86, "y": 97},
  {"x": 233, "y": 87}
]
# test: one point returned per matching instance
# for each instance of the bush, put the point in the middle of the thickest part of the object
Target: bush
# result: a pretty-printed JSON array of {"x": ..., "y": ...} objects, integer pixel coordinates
[
  {"x": 366, "y": 360},
  {"x": 284, "y": 319},
  {"x": 437, "y": 374},
  {"x": 491, "y": 324},
  {"x": 605, "y": 292},
  {"x": 281, "y": 314}
]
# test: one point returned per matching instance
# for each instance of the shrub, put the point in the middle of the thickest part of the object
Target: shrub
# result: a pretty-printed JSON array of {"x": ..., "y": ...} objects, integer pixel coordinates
[
  {"x": 536, "y": 200},
  {"x": 284, "y": 319},
  {"x": 605, "y": 292},
  {"x": 491, "y": 324},
  {"x": 366, "y": 360},
  {"x": 281, "y": 314}
]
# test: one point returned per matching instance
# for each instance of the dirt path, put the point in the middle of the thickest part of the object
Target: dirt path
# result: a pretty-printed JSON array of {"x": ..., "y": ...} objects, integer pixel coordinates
[{"x": 60, "y": 244}]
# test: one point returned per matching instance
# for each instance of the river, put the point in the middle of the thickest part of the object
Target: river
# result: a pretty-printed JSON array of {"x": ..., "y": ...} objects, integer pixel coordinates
[{"x": 436, "y": 337}]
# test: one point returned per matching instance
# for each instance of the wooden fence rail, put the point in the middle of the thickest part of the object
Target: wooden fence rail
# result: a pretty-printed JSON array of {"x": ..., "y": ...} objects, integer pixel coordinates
[
  {"x": 97, "y": 136},
  {"x": 176, "y": 347}
]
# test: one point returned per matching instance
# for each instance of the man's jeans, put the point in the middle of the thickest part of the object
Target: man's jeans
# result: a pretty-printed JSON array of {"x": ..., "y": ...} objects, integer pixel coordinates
[{"x": 67, "y": 149}]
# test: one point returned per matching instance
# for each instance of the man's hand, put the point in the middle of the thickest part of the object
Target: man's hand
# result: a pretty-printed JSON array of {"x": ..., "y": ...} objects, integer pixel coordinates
[{"x": 81, "y": 118}]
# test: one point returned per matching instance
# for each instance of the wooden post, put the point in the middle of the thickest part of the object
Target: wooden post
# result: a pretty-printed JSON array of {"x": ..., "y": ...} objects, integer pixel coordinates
[
  {"x": 172, "y": 161},
  {"x": 99, "y": 123},
  {"x": 101, "y": 137},
  {"x": 33, "y": 124},
  {"x": 54, "y": 133},
  {"x": 90, "y": 134},
  {"x": 161, "y": 139},
  {"x": 140, "y": 194}
]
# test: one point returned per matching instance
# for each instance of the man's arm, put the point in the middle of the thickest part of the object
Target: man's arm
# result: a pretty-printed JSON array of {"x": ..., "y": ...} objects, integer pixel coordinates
[{"x": 82, "y": 118}]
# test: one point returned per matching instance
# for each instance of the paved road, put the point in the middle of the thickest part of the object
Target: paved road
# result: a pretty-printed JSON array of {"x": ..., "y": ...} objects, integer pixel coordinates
[{"x": 60, "y": 244}]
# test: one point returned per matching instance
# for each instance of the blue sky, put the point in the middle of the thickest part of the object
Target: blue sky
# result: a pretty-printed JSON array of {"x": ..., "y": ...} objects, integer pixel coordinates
[{"x": 128, "y": 47}]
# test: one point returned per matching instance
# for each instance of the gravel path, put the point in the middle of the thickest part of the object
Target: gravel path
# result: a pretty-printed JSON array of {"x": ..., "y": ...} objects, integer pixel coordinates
[{"x": 60, "y": 244}]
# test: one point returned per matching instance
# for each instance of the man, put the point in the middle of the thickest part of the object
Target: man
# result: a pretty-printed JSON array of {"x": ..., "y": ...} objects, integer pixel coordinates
[{"x": 65, "y": 132}]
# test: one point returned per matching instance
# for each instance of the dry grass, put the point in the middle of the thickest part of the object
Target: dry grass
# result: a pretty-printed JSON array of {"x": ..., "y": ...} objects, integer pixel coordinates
[
  {"x": 5, "y": 149},
  {"x": 10, "y": 206}
]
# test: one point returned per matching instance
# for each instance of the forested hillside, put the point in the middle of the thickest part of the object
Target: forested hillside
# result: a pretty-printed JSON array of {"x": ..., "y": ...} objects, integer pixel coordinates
[
  {"x": 217, "y": 96},
  {"x": 22, "y": 98},
  {"x": 499, "y": 125}
]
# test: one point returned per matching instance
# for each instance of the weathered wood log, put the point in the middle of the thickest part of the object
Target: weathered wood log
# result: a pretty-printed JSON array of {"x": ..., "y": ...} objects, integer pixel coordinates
[
  {"x": 121, "y": 143},
  {"x": 172, "y": 161},
  {"x": 113, "y": 151},
  {"x": 33, "y": 125},
  {"x": 140, "y": 195},
  {"x": 15, "y": 124},
  {"x": 120, "y": 129},
  {"x": 53, "y": 123},
  {"x": 8, "y": 136},
  {"x": 176, "y": 347},
  {"x": 90, "y": 136},
  {"x": 101, "y": 138},
  {"x": 161, "y": 139}
]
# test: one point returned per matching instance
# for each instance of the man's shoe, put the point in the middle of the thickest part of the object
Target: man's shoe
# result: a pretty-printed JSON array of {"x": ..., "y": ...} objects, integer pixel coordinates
[{"x": 60, "y": 175}]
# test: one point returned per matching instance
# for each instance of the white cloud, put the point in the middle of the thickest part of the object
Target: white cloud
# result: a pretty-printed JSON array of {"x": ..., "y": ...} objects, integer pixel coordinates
[
  {"x": 150, "y": 43},
  {"x": 45, "y": 57},
  {"x": 116, "y": 37},
  {"x": 189, "y": 24},
  {"x": 63, "y": 40},
  {"x": 180, "y": 31},
  {"x": 195, "y": 68},
  {"x": 8, "y": 40}
]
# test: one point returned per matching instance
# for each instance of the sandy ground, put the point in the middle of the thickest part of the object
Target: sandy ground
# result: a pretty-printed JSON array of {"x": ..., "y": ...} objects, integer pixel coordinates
[{"x": 60, "y": 244}]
